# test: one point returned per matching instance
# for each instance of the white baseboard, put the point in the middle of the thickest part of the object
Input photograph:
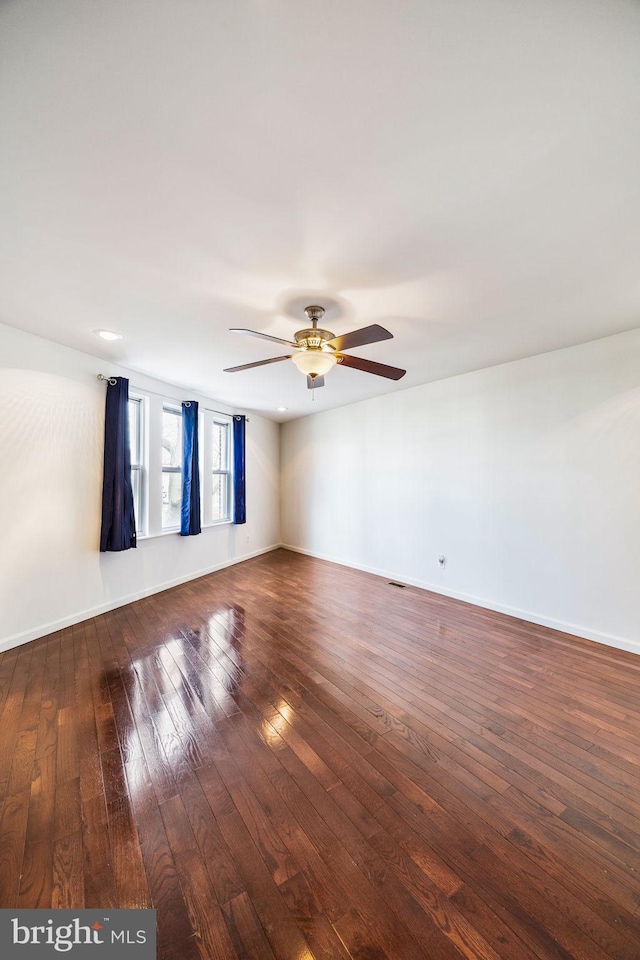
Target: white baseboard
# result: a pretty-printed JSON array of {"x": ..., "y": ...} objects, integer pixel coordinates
[
  {"x": 34, "y": 633},
  {"x": 577, "y": 630}
]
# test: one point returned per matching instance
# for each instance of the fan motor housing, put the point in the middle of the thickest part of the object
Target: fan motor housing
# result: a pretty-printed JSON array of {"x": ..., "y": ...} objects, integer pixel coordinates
[{"x": 314, "y": 339}]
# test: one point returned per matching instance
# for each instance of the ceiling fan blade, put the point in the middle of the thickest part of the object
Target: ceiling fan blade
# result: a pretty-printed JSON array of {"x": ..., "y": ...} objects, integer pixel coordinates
[
  {"x": 258, "y": 363},
  {"x": 358, "y": 338},
  {"x": 314, "y": 382},
  {"x": 262, "y": 336},
  {"x": 370, "y": 366}
]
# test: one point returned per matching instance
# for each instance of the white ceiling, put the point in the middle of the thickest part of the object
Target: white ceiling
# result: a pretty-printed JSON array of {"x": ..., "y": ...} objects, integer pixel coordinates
[{"x": 464, "y": 172}]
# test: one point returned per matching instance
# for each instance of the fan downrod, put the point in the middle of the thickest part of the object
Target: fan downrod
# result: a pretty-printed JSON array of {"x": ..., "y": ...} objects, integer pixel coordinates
[
  {"x": 314, "y": 314},
  {"x": 313, "y": 338}
]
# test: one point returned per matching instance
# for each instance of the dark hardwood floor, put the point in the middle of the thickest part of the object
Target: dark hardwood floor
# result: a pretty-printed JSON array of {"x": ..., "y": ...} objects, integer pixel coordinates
[{"x": 294, "y": 760}]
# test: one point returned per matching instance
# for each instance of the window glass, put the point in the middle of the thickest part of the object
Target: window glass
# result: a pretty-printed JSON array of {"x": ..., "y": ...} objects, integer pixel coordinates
[
  {"x": 220, "y": 458},
  {"x": 138, "y": 474},
  {"x": 134, "y": 431},
  {"x": 171, "y": 499},
  {"x": 171, "y": 438},
  {"x": 221, "y": 467},
  {"x": 220, "y": 497}
]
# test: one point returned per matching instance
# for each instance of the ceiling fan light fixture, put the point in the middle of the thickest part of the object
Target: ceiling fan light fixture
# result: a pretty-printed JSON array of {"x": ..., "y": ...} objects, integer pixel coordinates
[
  {"x": 319, "y": 350},
  {"x": 314, "y": 363}
]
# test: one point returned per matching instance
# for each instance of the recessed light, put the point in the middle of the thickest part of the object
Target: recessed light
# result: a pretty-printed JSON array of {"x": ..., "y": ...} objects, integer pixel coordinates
[
  {"x": 108, "y": 334},
  {"x": 281, "y": 409}
]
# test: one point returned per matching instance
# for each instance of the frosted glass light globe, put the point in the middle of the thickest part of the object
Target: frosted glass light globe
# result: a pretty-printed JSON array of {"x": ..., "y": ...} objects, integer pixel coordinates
[{"x": 314, "y": 362}]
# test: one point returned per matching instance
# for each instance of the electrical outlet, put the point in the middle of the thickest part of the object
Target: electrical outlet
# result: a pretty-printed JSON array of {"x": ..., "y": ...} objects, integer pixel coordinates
[
  {"x": 247, "y": 538},
  {"x": 442, "y": 560}
]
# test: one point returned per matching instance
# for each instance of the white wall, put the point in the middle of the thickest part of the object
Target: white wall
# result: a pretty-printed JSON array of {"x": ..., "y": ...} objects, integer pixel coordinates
[
  {"x": 525, "y": 476},
  {"x": 51, "y": 438}
]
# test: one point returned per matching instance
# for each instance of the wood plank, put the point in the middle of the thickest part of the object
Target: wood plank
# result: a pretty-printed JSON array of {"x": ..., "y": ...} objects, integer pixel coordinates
[
  {"x": 206, "y": 917},
  {"x": 172, "y": 915},
  {"x": 67, "y": 746},
  {"x": 132, "y": 885},
  {"x": 36, "y": 880},
  {"x": 12, "y": 710},
  {"x": 68, "y": 873},
  {"x": 245, "y": 929},
  {"x": 287, "y": 940},
  {"x": 13, "y": 827},
  {"x": 99, "y": 881},
  {"x": 37, "y": 865}
]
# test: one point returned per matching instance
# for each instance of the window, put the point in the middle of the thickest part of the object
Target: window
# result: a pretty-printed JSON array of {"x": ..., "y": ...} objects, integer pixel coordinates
[
  {"x": 215, "y": 470},
  {"x": 136, "y": 449},
  {"x": 155, "y": 439},
  {"x": 171, "y": 467},
  {"x": 221, "y": 471}
]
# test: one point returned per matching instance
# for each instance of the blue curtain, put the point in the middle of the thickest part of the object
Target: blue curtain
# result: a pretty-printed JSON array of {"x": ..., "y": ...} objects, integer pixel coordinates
[
  {"x": 239, "y": 487},
  {"x": 118, "y": 521},
  {"x": 190, "y": 517}
]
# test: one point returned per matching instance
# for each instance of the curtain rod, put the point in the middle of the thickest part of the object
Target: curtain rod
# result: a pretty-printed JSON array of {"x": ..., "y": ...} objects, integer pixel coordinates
[
  {"x": 223, "y": 414},
  {"x": 113, "y": 381}
]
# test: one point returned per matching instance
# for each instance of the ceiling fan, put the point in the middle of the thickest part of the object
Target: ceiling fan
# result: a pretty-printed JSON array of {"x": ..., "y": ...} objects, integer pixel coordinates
[{"x": 319, "y": 350}]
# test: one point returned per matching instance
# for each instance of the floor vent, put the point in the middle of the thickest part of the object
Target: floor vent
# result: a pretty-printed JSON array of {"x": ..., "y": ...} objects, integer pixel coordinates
[{"x": 392, "y": 583}]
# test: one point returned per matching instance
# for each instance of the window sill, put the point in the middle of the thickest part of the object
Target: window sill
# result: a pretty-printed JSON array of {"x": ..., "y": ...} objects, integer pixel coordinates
[{"x": 176, "y": 531}]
